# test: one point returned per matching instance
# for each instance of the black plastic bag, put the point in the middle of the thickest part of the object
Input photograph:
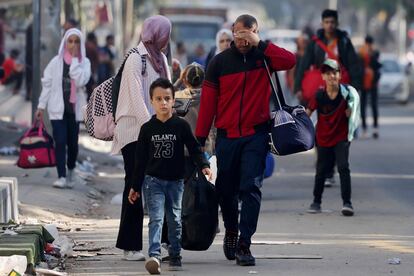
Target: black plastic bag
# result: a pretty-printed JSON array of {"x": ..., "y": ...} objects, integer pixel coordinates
[{"x": 199, "y": 213}]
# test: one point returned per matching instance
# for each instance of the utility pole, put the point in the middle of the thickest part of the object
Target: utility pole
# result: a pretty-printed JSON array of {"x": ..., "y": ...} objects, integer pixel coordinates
[
  {"x": 119, "y": 26},
  {"x": 128, "y": 22},
  {"x": 402, "y": 30},
  {"x": 35, "y": 56},
  {"x": 46, "y": 39}
]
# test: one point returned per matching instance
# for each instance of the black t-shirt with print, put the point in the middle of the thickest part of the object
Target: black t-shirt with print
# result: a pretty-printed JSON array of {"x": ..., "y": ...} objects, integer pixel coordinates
[
  {"x": 66, "y": 85},
  {"x": 160, "y": 150}
]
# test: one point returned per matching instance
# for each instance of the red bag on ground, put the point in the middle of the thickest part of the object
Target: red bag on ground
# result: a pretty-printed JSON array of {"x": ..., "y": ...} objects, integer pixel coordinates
[
  {"x": 36, "y": 148},
  {"x": 312, "y": 79}
]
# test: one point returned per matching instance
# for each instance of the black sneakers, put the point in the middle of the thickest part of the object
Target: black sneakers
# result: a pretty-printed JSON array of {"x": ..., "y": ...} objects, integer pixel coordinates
[
  {"x": 314, "y": 208},
  {"x": 347, "y": 210},
  {"x": 244, "y": 256},
  {"x": 229, "y": 245},
  {"x": 174, "y": 264},
  {"x": 375, "y": 134}
]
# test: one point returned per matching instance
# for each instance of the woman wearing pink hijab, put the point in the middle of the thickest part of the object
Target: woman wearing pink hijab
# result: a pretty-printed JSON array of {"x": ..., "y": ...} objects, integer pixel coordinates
[
  {"x": 133, "y": 110},
  {"x": 63, "y": 93}
]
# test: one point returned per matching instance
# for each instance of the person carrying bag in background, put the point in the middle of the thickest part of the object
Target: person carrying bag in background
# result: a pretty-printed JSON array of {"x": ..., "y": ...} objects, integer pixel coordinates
[{"x": 63, "y": 93}]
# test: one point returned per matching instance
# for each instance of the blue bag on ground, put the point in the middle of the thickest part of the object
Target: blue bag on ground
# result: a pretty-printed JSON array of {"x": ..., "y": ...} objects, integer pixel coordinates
[
  {"x": 270, "y": 165},
  {"x": 292, "y": 130},
  {"x": 199, "y": 213}
]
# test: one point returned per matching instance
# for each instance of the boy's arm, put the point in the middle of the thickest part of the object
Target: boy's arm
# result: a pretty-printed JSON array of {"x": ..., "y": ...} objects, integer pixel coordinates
[
  {"x": 141, "y": 159},
  {"x": 312, "y": 105}
]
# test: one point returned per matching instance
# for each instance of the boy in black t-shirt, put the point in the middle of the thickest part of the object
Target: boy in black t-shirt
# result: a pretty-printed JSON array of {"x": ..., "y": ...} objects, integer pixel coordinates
[{"x": 159, "y": 168}]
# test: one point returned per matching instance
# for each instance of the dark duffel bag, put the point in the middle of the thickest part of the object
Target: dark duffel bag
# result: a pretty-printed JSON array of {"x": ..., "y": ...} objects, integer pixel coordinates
[
  {"x": 199, "y": 213},
  {"x": 292, "y": 130}
]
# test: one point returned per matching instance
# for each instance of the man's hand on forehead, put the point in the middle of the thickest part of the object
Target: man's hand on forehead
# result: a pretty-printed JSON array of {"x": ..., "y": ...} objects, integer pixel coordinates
[{"x": 250, "y": 35}]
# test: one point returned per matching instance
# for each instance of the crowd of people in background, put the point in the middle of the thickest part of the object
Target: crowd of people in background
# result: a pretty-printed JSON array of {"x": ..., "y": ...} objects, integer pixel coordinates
[
  {"x": 14, "y": 69},
  {"x": 216, "y": 122}
]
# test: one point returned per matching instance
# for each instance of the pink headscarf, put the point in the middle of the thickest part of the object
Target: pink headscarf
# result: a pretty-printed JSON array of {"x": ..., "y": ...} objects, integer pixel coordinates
[
  {"x": 155, "y": 36},
  {"x": 67, "y": 57}
]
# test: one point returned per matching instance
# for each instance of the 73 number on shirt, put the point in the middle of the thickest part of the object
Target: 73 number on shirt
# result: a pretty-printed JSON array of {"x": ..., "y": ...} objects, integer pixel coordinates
[{"x": 163, "y": 149}]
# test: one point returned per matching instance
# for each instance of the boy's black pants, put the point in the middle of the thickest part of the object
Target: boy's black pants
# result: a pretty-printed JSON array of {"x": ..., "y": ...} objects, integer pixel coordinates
[{"x": 327, "y": 156}]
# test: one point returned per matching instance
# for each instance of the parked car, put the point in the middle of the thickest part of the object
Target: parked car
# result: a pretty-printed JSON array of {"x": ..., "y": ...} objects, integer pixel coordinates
[
  {"x": 394, "y": 82},
  {"x": 284, "y": 38}
]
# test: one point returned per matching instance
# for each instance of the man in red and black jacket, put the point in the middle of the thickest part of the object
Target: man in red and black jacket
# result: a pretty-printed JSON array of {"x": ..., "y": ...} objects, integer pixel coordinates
[{"x": 235, "y": 95}]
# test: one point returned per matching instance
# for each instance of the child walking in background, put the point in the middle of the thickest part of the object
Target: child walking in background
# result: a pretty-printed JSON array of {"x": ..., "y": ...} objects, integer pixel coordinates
[
  {"x": 159, "y": 168},
  {"x": 338, "y": 116},
  {"x": 192, "y": 78}
]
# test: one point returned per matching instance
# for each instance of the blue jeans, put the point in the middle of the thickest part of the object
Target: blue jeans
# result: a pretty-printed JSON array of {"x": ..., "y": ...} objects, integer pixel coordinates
[{"x": 163, "y": 195}]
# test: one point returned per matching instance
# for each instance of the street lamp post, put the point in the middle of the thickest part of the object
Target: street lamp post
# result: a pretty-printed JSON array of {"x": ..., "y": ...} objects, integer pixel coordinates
[
  {"x": 46, "y": 40},
  {"x": 35, "y": 56}
]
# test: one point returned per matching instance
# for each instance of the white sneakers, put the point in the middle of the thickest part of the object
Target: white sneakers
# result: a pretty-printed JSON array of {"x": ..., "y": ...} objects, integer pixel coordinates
[
  {"x": 71, "y": 180},
  {"x": 60, "y": 183},
  {"x": 153, "y": 266},
  {"x": 133, "y": 256}
]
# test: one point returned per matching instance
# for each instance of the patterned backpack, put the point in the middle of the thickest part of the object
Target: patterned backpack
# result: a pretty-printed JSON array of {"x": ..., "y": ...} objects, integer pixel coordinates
[{"x": 99, "y": 113}]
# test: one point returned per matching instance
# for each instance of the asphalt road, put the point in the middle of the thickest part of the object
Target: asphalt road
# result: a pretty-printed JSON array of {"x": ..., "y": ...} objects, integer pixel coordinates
[{"x": 291, "y": 242}]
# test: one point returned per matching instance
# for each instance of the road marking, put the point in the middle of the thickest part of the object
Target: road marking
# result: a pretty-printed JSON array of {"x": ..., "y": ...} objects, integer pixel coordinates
[
  {"x": 111, "y": 175},
  {"x": 289, "y": 257},
  {"x": 390, "y": 246},
  {"x": 356, "y": 175},
  {"x": 393, "y": 120},
  {"x": 7, "y": 162},
  {"x": 334, "y": 236}
]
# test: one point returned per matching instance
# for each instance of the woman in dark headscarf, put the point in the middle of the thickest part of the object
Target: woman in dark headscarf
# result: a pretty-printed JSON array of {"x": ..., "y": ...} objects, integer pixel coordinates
[{"x": 133, "y": 110}]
